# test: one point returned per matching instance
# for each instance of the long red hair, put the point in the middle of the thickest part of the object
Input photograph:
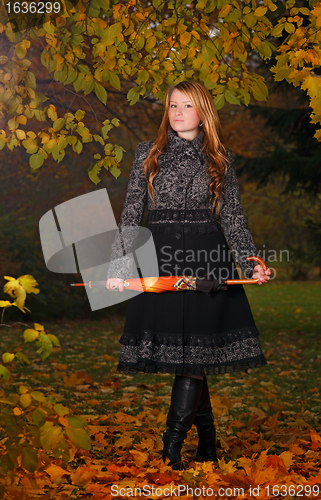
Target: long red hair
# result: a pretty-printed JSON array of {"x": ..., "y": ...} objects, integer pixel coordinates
[{"x": 202, "y": 101}]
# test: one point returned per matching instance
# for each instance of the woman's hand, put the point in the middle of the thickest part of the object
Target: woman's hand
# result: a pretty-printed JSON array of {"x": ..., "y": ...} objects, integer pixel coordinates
[
  {"x": 260, "y": 274},
  {"x": 115, "y": 284}
]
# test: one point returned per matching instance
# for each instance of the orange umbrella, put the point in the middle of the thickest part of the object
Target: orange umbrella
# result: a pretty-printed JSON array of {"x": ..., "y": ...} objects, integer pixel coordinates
[{"x": 206, "y": 284}]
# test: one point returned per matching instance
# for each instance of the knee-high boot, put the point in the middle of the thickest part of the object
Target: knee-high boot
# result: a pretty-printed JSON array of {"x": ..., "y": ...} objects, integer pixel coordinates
[
  {"x": 204, "y": 421},
  {"x": 186, "y": 394}
]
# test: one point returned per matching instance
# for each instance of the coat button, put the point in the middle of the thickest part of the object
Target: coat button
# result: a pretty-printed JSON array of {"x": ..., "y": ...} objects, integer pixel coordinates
[{"x": 178, "y": 236}]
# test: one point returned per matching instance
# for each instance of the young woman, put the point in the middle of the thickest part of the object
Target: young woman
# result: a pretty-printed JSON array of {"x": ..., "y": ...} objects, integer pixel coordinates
[{"x": 188, "y": 180}]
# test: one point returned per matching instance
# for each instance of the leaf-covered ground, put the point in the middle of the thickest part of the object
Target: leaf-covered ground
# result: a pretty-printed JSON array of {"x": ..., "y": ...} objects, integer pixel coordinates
[{"x": 268, "y": 420}]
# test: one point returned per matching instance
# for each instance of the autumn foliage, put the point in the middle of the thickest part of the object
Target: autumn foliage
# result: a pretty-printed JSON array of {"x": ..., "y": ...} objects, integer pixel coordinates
[
  {"x": 51, "y": 451},
  {"x": 32, "y": 425},
  {"x": 140, "y": 48}
]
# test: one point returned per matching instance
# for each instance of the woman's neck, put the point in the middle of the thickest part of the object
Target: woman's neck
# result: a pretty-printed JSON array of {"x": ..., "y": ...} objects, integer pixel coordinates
[{"x": 189, "y": 135}]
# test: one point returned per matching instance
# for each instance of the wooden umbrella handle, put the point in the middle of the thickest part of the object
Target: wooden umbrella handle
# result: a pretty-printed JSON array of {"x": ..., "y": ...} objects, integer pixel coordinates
[{"x": 248, "y": 281}]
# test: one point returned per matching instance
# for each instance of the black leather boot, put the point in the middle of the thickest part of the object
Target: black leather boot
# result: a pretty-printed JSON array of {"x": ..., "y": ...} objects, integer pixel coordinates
[
  {"x": 186, "y": 394},
  {"x": 204, "y": 421}
]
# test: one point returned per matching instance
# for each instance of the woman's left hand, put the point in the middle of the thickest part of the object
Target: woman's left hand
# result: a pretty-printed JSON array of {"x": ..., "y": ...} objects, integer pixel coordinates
[{"x": 260, "y": 274}]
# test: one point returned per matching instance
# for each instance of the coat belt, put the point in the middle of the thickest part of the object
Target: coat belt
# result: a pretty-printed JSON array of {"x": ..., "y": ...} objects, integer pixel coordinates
[{"x": 180, "y": 216}]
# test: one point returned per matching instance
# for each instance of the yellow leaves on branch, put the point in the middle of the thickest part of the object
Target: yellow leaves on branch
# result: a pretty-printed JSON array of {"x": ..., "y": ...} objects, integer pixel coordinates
[
  {"x": 312, "y": 84},
  {"x": 151, "y": 51},
  {"x": 316, "y": 12},
  {"x": 299, "y": 56},
  {"x": 18, "y": 289}
]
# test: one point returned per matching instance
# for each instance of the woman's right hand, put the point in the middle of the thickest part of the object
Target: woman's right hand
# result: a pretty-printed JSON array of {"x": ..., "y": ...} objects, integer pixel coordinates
[{"x": 115, "y": 284}]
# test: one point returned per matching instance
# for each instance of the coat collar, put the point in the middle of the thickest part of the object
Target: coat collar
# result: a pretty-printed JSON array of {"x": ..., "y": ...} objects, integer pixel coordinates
[{"x": 175, "y": 141}]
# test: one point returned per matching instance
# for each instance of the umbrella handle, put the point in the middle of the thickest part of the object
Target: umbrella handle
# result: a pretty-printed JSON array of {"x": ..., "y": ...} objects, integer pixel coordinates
[{"x": 248, "y": 281}]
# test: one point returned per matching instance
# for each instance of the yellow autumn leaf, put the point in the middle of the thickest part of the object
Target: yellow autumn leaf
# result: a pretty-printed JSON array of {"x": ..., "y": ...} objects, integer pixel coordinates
[
  {"x": 147, "y": 444},
  {"x": 23, "y": 389},
  {"x": 225, "y": 10},
  {"x": 313, "y": 56},
  {"x": 312, "y": 84},
  {"x": 229, "y": 467},
  {"x": 20, "y": 134},
  {"x": 25, "y": 400},
  {"x": 12, "y": 285},
  {"x": 124, "y": 442},
  {"x": 260, "y": 11},
  {"x": 6, "y": 303},
  {"x": 287, "y": 458},
  {"x": 30, "y": 335},
  {"x": 161, "y": 417},
  {"x": 82, "y": 475},
  {"x": 29, "y": 283},
  {"x": 185, "y": 38},
  {"x": 15, "y": 290},
  {"x": 140, "y": 457},
  {"x": 317, "y": 135},
  {"x": 17, "y": 411},
  {"x": 38, "y": 327},
  {"x": 18, "y": 289},
  {"x": 55, "y": 471},
  {"x": 60, "y": 60},
  {"x": 7, "y": 357},
  {"x": 317, "y": 13}
]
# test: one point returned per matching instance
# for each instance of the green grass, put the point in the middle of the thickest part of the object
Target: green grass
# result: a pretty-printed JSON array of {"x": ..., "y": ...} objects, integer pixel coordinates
[{"x": 288, "y": 317}]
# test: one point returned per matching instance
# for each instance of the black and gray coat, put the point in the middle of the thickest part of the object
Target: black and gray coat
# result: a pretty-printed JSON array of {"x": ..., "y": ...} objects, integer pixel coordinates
[{"x": 182, "y": 202}]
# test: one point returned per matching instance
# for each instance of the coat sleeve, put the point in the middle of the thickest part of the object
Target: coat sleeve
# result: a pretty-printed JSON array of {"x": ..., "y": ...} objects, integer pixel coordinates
[
  {"x": 121, "y": 265},
  {"x": 233, "y": 222}
]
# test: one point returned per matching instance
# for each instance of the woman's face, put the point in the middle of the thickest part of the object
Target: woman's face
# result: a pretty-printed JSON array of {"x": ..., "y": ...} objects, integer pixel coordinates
[{"x": 183, "y": 118}]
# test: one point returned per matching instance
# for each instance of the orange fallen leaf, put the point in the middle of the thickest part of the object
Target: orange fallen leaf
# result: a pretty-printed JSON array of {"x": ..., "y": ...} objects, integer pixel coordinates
[
  {"x": 276, "y": 462},
  {"x": 287, "y": 458},
  {"x": 296, "y": 449},
  {"x": 63, "y": 421},
  {"x": 236, "y": 479},
  {"x": 100, "y": 438},
  {"x": 158, "y": 478},
  {"x": 118, "y": 468},
  {"x": 146, "y": 444},
  {"x": 82, "y": 475},
  {"x": 55, "y": 471},
  {"x": 140, "y": 457},
  {"x": 60, "y": 367},
  {"x": 316, "y": 439},
  {"x": 94, "y": 402},
  {"x": 273, "y": 421},
  {"x": 229, "y": 467}
]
